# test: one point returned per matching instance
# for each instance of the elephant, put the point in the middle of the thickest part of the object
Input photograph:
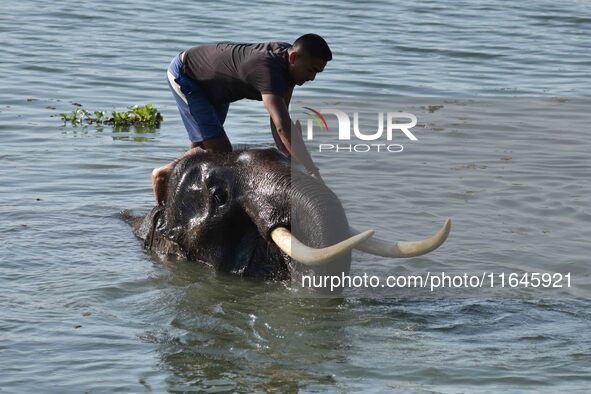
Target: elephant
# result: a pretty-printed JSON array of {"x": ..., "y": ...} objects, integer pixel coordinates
[{"x": 251, "y": 213}]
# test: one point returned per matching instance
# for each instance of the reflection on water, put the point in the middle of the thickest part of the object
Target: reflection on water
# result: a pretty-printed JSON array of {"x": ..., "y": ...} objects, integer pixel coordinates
[
  {"x": 132, "y": 138},
  {"x": 229, "y": 335},
  {"x": 236, "y": 334}
]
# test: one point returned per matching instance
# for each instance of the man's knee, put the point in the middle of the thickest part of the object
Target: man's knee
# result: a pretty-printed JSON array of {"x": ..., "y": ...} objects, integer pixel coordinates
[{"x": 218, "y": 144}]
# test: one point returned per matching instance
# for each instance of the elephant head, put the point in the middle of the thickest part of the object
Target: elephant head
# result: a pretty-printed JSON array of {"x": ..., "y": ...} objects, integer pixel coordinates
[{"x": 249, "y": 212}]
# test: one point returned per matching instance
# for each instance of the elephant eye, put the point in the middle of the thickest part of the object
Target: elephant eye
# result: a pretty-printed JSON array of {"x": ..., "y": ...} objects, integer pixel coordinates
[{"x": 220, "y": 197}]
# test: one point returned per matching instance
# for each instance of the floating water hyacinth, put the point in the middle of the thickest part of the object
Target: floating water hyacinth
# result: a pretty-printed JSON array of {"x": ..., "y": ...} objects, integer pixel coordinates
[{"x": 145, "y": 116}]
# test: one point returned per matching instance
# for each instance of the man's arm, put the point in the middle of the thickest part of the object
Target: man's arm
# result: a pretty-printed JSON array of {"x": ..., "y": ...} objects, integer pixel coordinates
[
  {"x": 281, "y": 126},
  {"x": 287, "y": 99}
]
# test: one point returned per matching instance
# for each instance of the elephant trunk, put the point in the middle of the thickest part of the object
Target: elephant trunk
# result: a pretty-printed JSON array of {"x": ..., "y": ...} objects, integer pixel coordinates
[
  {"x": 309, "y": 210},
  {"x": 318, "y": 220}
]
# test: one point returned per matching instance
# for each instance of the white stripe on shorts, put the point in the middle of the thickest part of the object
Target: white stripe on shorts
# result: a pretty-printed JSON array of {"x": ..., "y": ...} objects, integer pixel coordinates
[{"x": 176, "y": 87}]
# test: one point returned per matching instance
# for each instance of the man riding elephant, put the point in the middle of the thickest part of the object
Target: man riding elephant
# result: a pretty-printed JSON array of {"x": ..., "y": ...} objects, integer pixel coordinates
[{"x": 204, "y": 80}]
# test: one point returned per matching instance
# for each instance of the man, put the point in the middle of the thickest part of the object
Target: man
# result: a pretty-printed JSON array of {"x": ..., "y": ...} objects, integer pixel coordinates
[{"x": 204, "y": 80}]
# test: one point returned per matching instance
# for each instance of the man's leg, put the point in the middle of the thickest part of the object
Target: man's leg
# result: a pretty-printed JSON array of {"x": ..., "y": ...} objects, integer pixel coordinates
[{"x": 203, "y": 121}]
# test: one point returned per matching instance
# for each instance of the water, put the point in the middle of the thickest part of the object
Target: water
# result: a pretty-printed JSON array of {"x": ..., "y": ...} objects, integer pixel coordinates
[{"x": 83, "y": 308}]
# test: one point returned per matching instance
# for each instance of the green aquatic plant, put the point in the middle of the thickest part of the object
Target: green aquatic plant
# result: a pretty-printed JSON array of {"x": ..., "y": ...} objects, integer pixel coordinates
[
  {"x": 146, "y": 116},
  {"x": 99, "y": 116},
  {"x": 78, "y": 116}
]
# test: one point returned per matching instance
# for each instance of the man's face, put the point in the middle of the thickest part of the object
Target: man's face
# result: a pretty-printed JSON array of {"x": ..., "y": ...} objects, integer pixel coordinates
[{"x": 304, "y": 68}]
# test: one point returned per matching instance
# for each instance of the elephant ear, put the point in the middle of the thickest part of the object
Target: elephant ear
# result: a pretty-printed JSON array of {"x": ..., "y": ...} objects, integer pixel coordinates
[{"x": 148, "y": 224}]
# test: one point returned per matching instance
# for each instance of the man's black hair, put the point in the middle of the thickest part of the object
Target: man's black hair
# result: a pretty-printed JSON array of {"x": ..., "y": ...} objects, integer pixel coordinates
[{"x": 314, "y": 46}]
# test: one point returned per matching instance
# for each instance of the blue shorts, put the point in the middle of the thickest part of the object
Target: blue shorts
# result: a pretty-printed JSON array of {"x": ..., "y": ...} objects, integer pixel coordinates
[{"x": 202, "y": 120}]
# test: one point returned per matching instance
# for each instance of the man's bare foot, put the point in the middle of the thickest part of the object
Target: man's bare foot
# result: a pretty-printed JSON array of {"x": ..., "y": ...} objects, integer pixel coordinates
[{"x": 159, "y": 179}]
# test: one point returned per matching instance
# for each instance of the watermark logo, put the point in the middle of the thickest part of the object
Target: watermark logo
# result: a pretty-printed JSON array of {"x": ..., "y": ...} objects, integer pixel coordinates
[
  {"x": 317, "y": 117},
  {"x": 390, "y": 124}
]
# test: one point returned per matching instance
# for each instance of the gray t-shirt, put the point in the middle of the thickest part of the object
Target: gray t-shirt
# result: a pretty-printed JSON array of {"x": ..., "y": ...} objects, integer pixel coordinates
[{"x": 228, "y": 72}]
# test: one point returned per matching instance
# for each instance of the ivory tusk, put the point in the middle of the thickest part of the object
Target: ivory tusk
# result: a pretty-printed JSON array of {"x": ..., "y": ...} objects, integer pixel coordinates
[
  {"x": 404, "y": 249},
  {"x": 309, "y": 256}
]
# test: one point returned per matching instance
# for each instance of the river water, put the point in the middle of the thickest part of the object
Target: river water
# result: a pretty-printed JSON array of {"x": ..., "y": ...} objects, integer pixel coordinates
[{"x": 500, "y": 91}]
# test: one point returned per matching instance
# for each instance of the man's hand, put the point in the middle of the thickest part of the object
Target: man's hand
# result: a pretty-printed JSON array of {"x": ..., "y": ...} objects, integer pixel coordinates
[
  {"x": 289, "y": 134},
  {"x": 311, "y": 168}
]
